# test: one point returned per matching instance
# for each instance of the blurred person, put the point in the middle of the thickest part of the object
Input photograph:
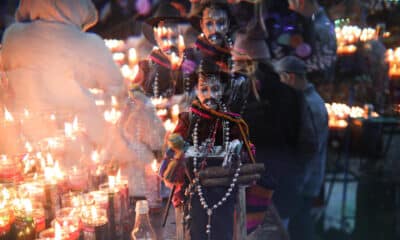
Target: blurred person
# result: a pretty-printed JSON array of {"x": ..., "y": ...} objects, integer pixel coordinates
[
  {"x": 310, "y": 150},
  {"x": 51, "y": 63},
  {"x": 251, "y": 51}
]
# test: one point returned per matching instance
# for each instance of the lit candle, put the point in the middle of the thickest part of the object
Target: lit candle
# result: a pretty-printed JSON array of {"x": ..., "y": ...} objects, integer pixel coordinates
[
  {"x": 55, "y": 233},
  {"x": 132, "y": 57},
  {"x": 78, "y": 179},
  {"x": 175, "y": 113},
  {"x": 113, "y": 204},
  {"x": 119, "y": 57},
  {"x": 69, "y": 221},
  {"x": 5, "y": 221},
  {"x": 152, "y": 182},
  {"x": 10, "y": 169},
  {"x": 95, "y": 223},
  {"x": 24, "y": 222}
]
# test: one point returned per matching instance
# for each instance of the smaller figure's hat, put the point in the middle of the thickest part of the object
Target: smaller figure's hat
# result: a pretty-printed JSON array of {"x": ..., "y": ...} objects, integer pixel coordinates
[
  {"x": 167, "y": 10},
  {"x": 197, "y": 8},
  {"x": 251, "y": 44}
]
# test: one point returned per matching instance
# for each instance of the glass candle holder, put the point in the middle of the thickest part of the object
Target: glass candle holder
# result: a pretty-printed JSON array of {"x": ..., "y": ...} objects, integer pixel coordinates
[
  {"x": 50, "y": 234},
  {"x": 33, "y": 189},
  {"x": 6, "y": 219},
  {"x": 24, "y": 228},
  {"x": 72, "y": 199},
  {"x": 97, "y": 198},
  {"x": 38, "y": 216},
  {"x": 114, "y": 208},
  {"x": 152, "y": 192},
  {"x": 10, "y": 169},
  {"x": 95, "y": 223},
  {"x": 70, "y": 221},
  {"x": 78, "y": 179}
]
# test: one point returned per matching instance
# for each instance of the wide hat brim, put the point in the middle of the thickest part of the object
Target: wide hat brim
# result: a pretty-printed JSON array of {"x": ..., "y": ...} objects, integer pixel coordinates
[
  {"x": 195, "y": 14},
  {"x": 171, "y": 11}
]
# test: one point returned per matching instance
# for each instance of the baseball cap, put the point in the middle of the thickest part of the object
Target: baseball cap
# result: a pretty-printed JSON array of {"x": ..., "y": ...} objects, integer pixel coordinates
[{"x": 290, "y": 64}]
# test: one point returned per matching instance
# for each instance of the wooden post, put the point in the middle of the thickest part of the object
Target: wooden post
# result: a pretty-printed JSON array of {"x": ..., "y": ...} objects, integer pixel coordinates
[{"x": 240, "y": 230}]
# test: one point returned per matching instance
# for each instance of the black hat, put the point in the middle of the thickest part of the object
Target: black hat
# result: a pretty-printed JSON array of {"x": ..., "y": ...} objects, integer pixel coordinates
[
  {"x": 196, "y": 11},
  {"x": 167, "y": 10}
]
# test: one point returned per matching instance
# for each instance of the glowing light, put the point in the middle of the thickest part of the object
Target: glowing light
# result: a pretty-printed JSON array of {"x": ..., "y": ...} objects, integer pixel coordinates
[
  {"x": 95, "y": 156},
  {"x": 8, "y": 116},
  {"x": 154, "y": 166},
  {"x": 132, "y": 56}
]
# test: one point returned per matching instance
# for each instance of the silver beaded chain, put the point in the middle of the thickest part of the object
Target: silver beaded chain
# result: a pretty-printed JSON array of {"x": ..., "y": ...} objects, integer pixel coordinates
[
  {"x": 155, "y": 86},
  {"x": 196, "y": 180}
]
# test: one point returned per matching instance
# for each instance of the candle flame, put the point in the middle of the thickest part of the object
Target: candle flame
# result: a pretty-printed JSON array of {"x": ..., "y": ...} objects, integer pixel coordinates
[
  {"x": 112, "y": 116},
  {"x": 135, "y": 72},
  {"x": 95, "y": 156},
  {"x": 132, "y": 56},
  {"x": 93, "y": 212},
  {"x": 157, "y": 101},
  {"x": 169, "y": 125},
  {"x": 181, "y": 43},
  {"x": 75, "y": 125},
  {"x": 114, "y": 101},
  {"x": 52, "y": 117},
  {"x": 95, "y": 91},
  {"x": 175, "y": 110},
  {"x": 113, "y": 44},
  {"x": 76, "y": 201},
  {"x": 154, "y": 166},
  {"x": 118, "y": 177},
  {"x": 49, "y": 158},
  {"x": 111, "y": 182},
  {"x": 8, "y": 116},
  {"x": 118, "y": 57},
  {"x": 26, "y": 112},
  {"x": 57, "y": 231},
  {"x": 28, "y": 147},
  {"x": 27, "y": 205},
  {"x": 175, "y": 60},
  {"x": 99, "y": 102}
]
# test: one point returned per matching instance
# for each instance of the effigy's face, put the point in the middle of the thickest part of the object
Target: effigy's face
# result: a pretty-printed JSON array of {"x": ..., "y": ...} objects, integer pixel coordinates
[
  {"x": 166, "y": 35},
  {"x": 215, "y": 25},
  {"x": 209, "y": 90}
]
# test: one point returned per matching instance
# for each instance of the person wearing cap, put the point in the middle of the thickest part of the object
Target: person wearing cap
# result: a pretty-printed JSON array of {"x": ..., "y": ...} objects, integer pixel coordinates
[
  {"x": 295, "y": 193},
  {"x": 162, "y": 73}
]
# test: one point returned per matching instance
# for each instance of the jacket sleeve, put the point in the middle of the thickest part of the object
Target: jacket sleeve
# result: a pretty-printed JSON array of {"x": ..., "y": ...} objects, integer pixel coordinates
[{"x": 104, "y": 70}]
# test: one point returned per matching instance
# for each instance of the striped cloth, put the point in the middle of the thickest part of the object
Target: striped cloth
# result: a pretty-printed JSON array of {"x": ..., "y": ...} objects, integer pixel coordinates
[{"x": 258, "y": 199}]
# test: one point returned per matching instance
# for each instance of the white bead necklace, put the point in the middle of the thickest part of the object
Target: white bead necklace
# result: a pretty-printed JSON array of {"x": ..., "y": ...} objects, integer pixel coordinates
[{"x": 196, "y": 180}]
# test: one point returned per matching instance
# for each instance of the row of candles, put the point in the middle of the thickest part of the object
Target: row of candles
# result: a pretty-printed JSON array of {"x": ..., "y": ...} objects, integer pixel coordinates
[
  {"x": 348, "y": 36},
  {"x": 339, "y": 113},
  {"x": 127, "y": 59},
  {"x": 30, "y": 205},
  {"x": 393, "y": 59},
  {"x": 40, "y": 157}
]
